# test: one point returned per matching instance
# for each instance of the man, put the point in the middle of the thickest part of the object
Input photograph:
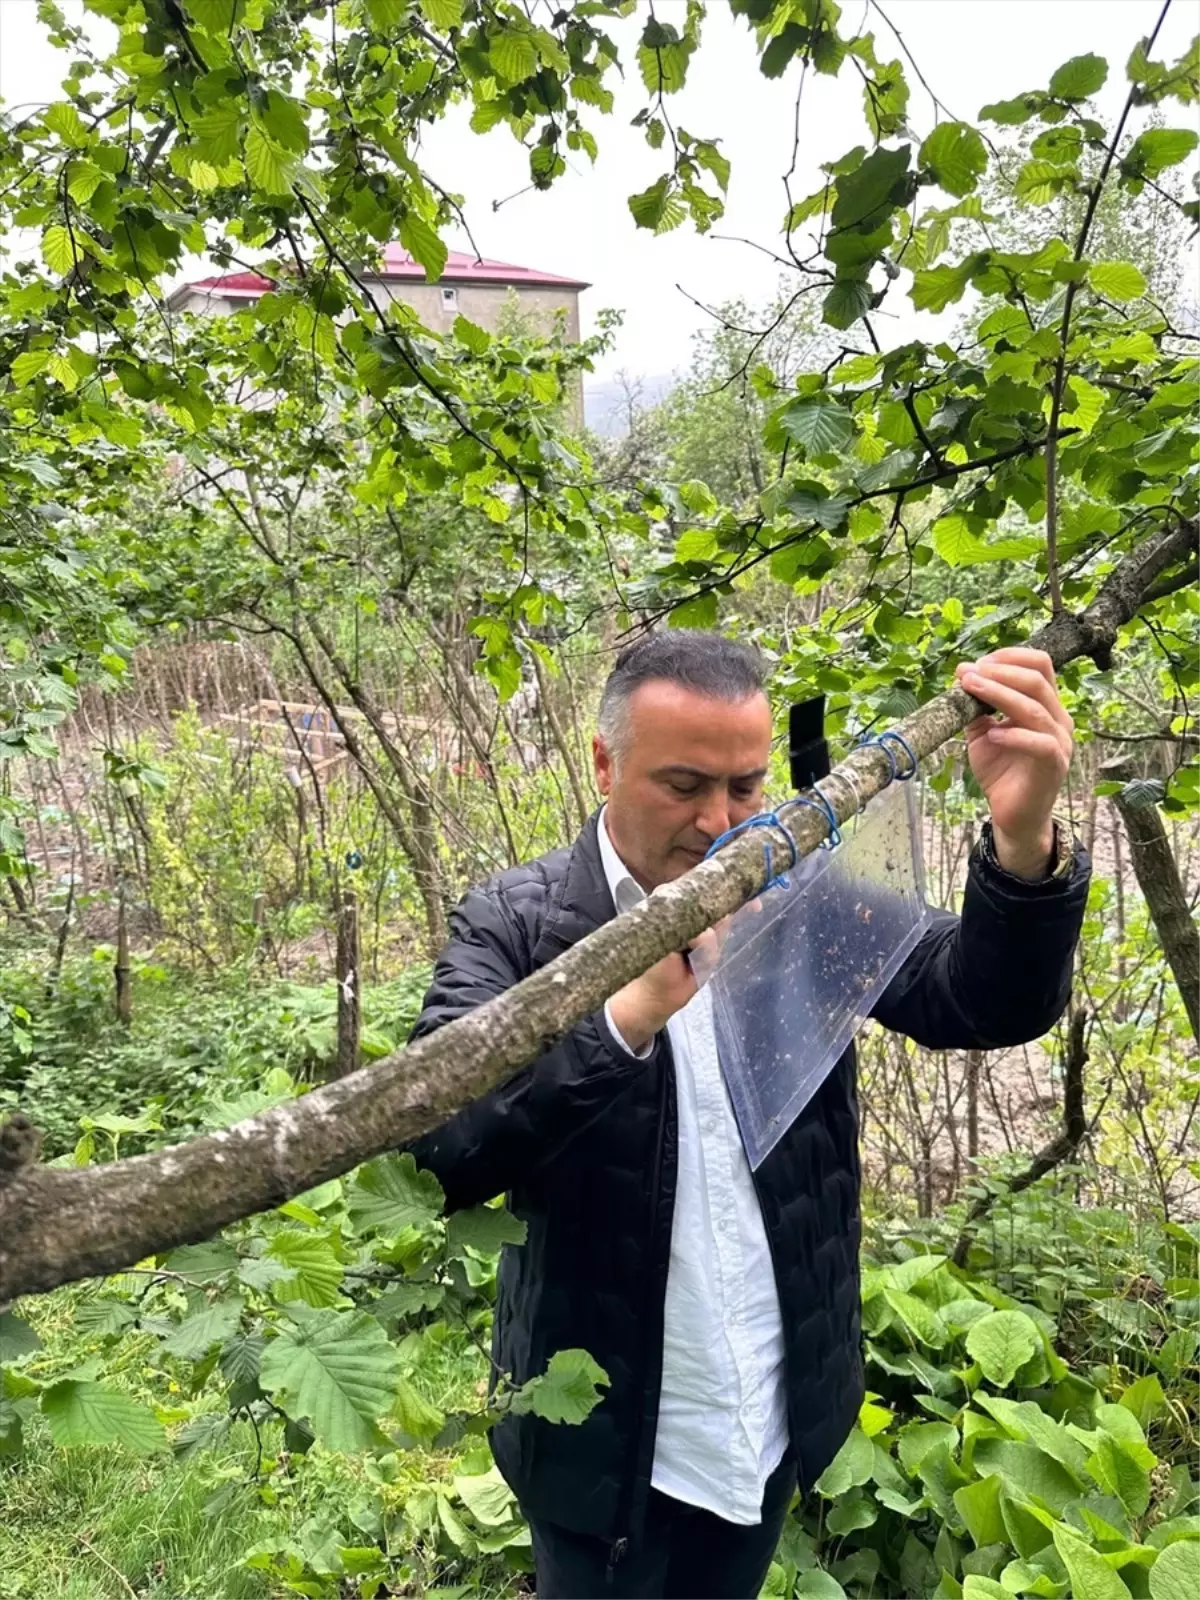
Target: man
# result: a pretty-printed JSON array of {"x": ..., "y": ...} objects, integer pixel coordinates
[{"x": 723, "y": 1305}]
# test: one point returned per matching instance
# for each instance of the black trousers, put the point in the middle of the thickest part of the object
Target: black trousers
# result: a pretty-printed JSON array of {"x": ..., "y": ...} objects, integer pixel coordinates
[{"x": 684, "y": 1553}]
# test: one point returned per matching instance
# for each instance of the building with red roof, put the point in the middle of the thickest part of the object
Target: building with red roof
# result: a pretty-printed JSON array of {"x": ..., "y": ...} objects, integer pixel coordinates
[{"x": 471, "y": 286}]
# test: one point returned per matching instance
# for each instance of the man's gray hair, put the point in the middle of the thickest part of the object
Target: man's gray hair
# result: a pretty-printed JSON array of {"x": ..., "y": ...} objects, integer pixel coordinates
[{"x": 707, "y": 663}]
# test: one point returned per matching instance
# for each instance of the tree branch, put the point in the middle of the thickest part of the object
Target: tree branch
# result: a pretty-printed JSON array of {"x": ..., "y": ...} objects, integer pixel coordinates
[{"x": 61, "y": 1224}]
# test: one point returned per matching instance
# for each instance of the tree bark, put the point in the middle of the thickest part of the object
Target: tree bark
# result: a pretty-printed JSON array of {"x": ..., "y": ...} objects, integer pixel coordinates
[
  {"x": 349, "y": 993},
  {"x": 1162, "y": 888},
  {"x": 61, "y": 1224}
]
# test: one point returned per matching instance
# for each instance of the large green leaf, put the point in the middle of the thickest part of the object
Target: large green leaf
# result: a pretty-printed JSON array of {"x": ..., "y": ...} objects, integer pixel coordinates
[
  {"x": 1117, "y": 280},
  {"x": 1001, "y": 1343},
  {"x": 822, "y": 427},
  {"x": 443, "y": 13},
  {"x": 854, "y": 1464},
  {"x": 270, "y": 167},
  {"x": 1118, "y": 1473},
  {"x": 848, "y": 300},
  {"x": 390, "y": 1193},
  {"x": 17, "y": 1338},
  {"x": 339, "y": 1370},
  {"x": 1176, "y": 1573},
  {"x": 1091, "y": 1576},
  {"x": 487, "y": 1497},
  {"x": 1080, "y": 77},
  {"x": 419, "y": 1418},
  {"x": 316, "y": 1272},
  {"x": 513, "y": 54},
  {"x": 955, "y": 157},
  {"x": 421, "y": 241},
  {"x": 1025, "y": 1419},
  {"x": 1157, "y": 149},
  {"x": 196, "y": 1335},
  {"x": 484, "y": 1228},
  {"x": 80, "y": 1412},
  {"x": 978, "y": 1505},
  {"x": 1028, "y": 1472},
  {"x": 568, "y": 1390},
  {"x": 921, "y": 1320}
]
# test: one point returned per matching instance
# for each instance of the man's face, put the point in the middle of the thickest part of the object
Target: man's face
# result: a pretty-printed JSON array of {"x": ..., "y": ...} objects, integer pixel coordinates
[{"x": 691, "y": 769}]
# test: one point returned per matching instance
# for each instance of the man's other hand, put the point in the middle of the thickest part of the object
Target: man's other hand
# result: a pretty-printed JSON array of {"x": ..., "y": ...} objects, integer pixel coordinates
[
  {"x": 645, "y": 1006},
  {"x": 1020, "y": 762}
]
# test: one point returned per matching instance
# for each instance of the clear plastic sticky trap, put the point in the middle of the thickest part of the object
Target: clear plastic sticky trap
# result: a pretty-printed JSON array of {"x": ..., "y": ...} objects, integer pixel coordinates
[{"x": 802, "y": 966}]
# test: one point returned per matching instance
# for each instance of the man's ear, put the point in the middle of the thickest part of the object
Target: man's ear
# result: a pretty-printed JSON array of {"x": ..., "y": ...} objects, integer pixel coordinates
[{"x": 604, "y": 764}]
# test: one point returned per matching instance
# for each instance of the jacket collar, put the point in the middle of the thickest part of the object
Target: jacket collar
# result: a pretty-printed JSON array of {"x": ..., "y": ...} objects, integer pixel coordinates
[{"x": 585, "y": 902}]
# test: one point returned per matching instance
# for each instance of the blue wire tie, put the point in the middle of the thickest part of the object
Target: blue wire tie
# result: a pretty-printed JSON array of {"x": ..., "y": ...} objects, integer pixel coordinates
[
  {"x": 819, "y": 803},
  {"x": 884, "y": 742},
  {"x": 764, "y": 819}
]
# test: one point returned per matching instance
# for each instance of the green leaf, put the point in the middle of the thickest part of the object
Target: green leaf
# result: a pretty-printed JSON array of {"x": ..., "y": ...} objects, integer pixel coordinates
[
  {"x": 87, "y": 1413},
  {"x": 389, "y": 1194},
  {"x": 423, "y": 245},
  {"x": 202, "y": 1263},
  {"x": 419, "y": 1418},
  {"x": 339, "y": 1370},
  {"x": 1118, "y": 1473},
  {"x": 851, "y": 1513},
  {"x": 104, "y": 1315},
  {"x": 978, "y": 1504},
  {"x": 240, "y": 1357},
  {"x": 870, "y": 189},
  {"x": 1027, "y": 1472},
  {"x": 977, "y": 1587},
  {"x": 196, "y": 1335},
  {"x": 487, "y": 1497},
  {"x": 216, "y": 16},
  {"x": 823, "y": 428},
  {"x": 1039, "y": 181},
  {"x": 270, "y": 167},
  {"x": 386, "y": 14},
  {"x": 59, "y": 252},
  {"x": 1091, "y": 1576},
  {"x": 1176, "y": 1573},
  {"x": 1078, "y": 78},
  {"x": 937, "y": 287},
  {"x": 443, "y": 13},
  {"x": 513, "y": 54},
  {"x": 657, "y": 207},
  {"x": 955, "y": 157},
  {"x": 17, "y": 1338},
  {"x": 663, "y": 58},
  {"x": 1025, "y": 1419},
  {"x": 817, "y": 1585},
  {"x": 568, "y": 1390},
  {"x": 483, "y": 1228},
  {"x": 28, "y": 365},
  {"x": 316, "y": 1272},
  {"x": 1157, "y": 149},
  {"x": 219, "y": 131},
  {"x": 1117, "y": 280},
  {"x": 283, "y": 121},
  {"x": 1001, "y": 1343},
  {"x": 844, "y": 304},
  {"x": 921, "y": 1320},
  {"x": 477, "y": 340},
  {"x": 1145, "y": 1398},
  {"x": 920, "y": 1439},
  {"x": 853, "y": 1465}
]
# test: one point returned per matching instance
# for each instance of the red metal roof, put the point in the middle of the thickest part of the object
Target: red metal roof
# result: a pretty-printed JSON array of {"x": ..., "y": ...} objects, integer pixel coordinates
[{"x": 397, "y": 263}]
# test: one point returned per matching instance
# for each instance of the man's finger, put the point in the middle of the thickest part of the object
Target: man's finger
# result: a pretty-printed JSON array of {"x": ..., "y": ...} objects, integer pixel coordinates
[
  {"x": 1030, "y": 684},
  {"x": 1020, "y": 708}
]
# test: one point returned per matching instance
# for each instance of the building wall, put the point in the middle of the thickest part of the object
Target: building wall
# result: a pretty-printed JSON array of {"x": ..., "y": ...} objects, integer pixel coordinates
[{"x": 484, "y": 304}]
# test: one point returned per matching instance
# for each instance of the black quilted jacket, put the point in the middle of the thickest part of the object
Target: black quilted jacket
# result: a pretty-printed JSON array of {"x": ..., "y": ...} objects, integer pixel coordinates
[{"x": 583, "y": 1142}]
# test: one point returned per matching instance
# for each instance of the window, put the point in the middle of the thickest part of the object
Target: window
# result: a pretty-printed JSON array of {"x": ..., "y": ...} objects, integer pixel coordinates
[{"x": 449, "y": 299}]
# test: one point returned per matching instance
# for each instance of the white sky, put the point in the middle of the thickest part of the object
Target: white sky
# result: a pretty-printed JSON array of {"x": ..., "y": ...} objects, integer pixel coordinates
[{"x": 970, "y": 51}]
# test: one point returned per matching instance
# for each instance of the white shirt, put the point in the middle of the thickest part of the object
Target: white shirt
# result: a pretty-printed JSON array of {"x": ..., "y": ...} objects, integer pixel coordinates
[{"x": 722, "y": 1418}]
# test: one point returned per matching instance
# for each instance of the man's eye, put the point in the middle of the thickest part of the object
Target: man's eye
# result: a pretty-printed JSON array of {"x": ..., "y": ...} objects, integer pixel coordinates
[
  {"x": 744, "y": 791},
  {"x": 685, "y": 791}
]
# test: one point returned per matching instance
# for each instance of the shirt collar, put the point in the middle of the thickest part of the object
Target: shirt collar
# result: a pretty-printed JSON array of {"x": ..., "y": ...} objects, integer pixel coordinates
[{"x": 624, "y": 888}]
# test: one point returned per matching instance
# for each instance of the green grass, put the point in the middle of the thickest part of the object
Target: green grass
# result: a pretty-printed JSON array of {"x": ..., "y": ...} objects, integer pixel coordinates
[{"x": 88, "y": 1524}]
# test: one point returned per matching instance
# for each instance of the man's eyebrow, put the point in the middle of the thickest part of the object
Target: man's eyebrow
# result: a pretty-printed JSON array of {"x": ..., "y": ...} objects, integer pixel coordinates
[{"x": 707, "y": 777}]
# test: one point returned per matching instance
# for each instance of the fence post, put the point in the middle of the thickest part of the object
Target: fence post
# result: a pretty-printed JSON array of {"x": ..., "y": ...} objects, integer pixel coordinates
[{"x": 349, "y": 1008}]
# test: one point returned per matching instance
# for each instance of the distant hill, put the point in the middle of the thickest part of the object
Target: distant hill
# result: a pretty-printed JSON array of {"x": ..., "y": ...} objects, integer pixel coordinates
[{"x": 606, "y": 403}]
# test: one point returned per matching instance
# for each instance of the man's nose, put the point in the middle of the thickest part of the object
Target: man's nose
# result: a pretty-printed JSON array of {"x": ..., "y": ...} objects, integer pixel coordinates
[{"x": 713, "y": 819}]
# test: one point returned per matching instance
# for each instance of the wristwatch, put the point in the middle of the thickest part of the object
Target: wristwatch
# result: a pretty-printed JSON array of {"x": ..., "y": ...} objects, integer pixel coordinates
[{"x": 1062, "y": 853}]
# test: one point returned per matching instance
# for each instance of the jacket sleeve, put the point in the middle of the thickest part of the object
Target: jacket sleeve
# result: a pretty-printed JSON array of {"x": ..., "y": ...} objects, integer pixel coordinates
[
  {"x": 1000, "y": 974},
  {"x": 503, "y": 1137}
]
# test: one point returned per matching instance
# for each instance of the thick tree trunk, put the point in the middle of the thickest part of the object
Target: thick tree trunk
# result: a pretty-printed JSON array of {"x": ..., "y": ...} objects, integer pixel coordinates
[
  {"x": 1162, "y": 888},
  {"x": 61, "y": 1224}
]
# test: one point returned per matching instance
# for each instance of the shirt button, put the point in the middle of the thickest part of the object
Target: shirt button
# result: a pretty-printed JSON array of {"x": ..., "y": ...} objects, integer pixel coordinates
[
  {"x": 724, "y": 1225},
  {"x": 708, "y": 1125}
]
